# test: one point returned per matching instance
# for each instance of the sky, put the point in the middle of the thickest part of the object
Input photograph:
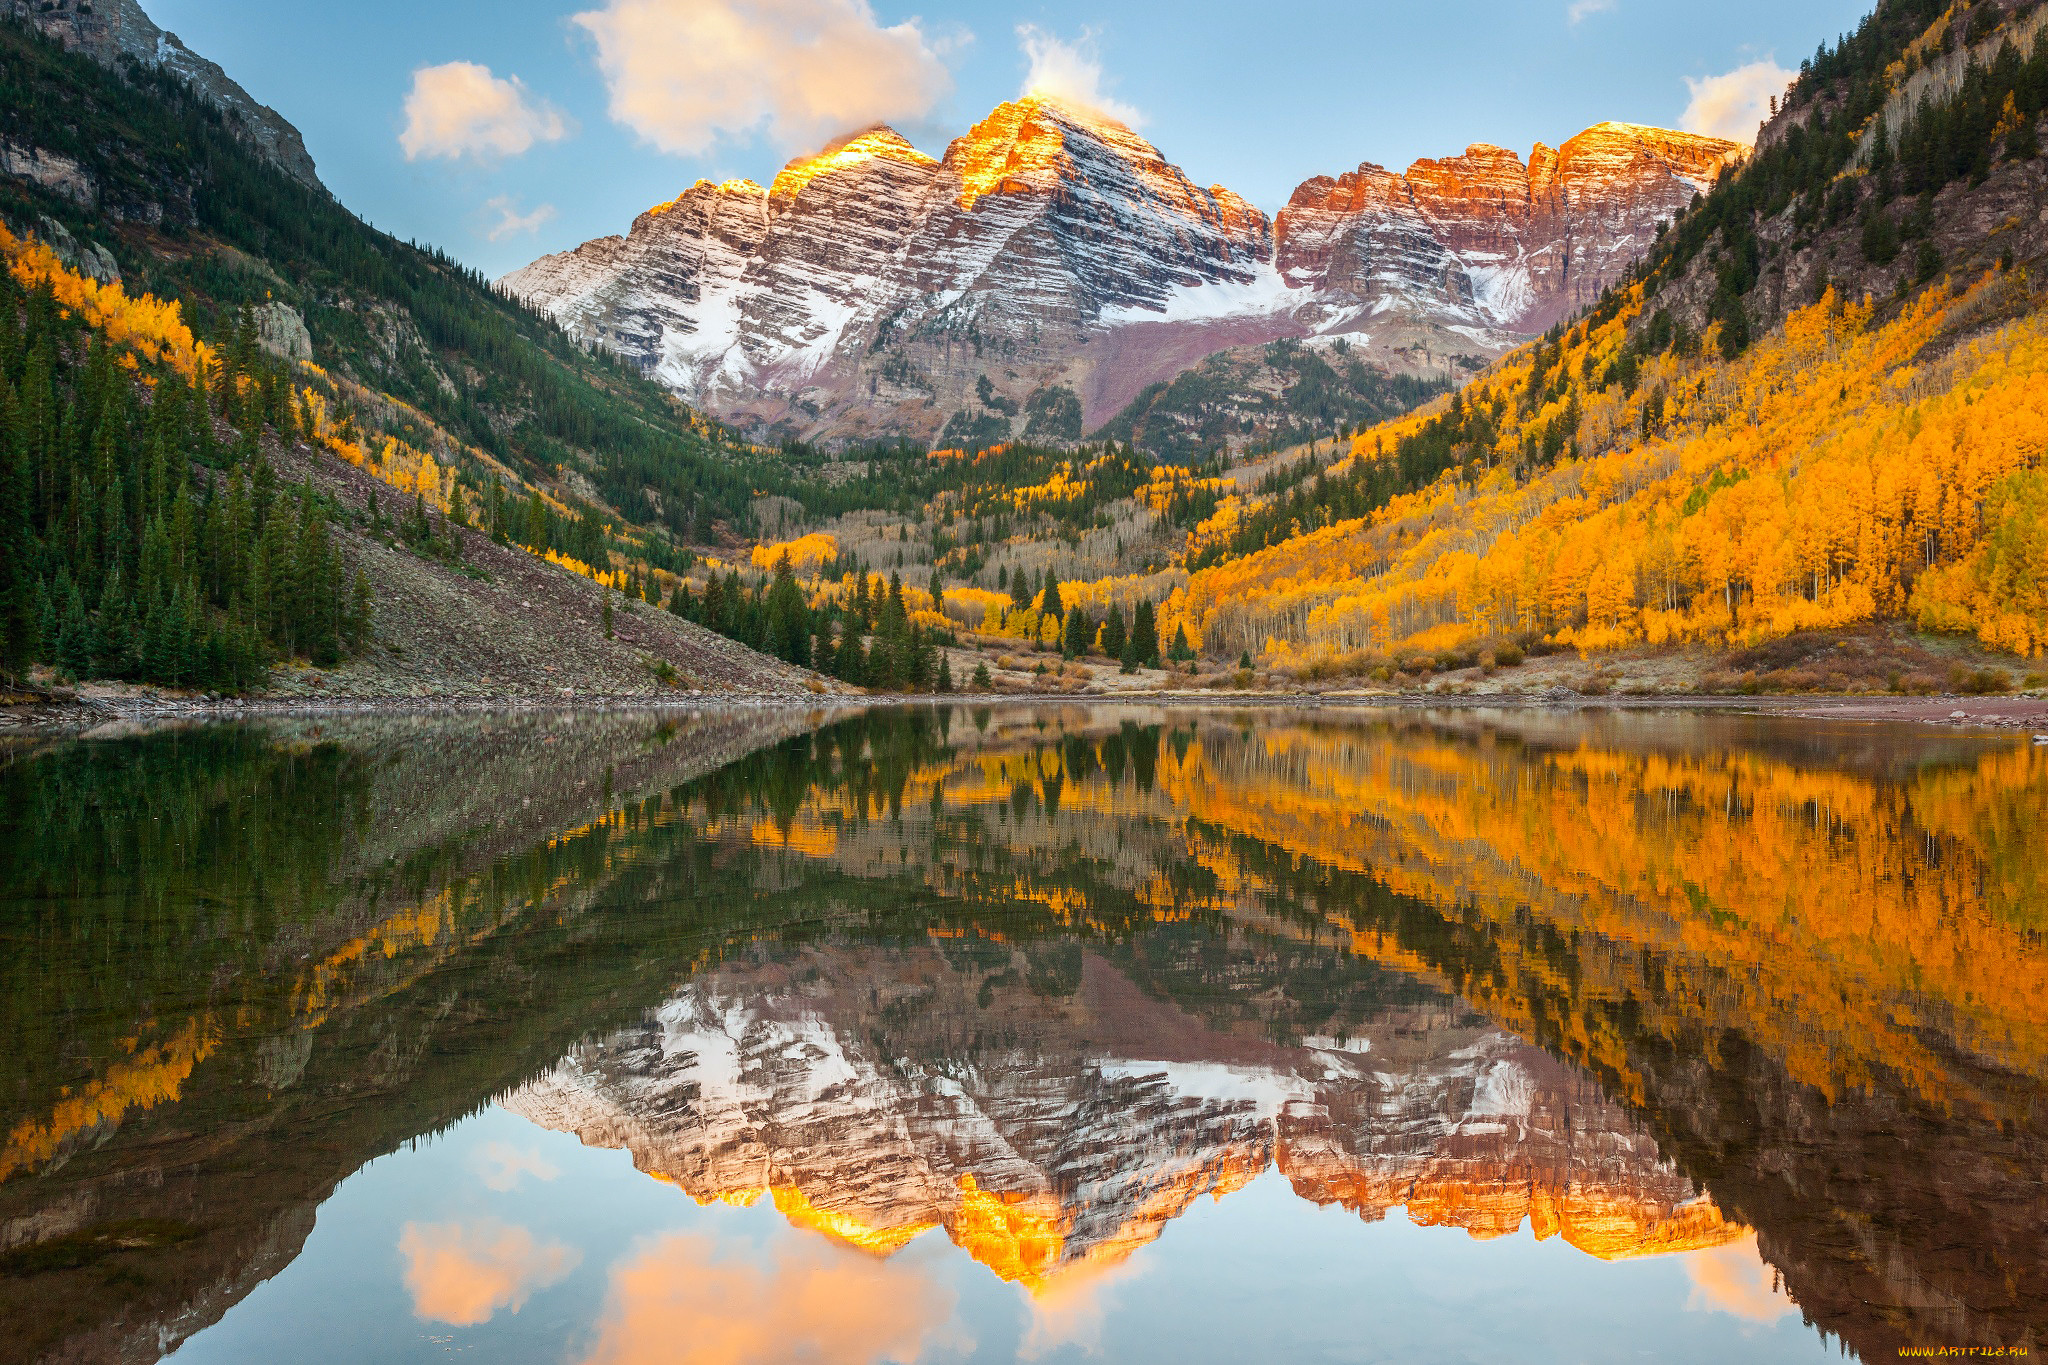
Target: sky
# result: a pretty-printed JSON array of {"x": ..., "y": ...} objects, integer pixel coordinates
[{"x": 502, "y": 129}]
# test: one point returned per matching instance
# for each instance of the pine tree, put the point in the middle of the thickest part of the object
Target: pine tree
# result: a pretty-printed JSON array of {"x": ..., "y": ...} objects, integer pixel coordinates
[
  {"x": 1053, "y": 609},
  {"x": 850, "y": 660},
  {"x": 824, "y": 659},
  {"x": 1114, "y": 636},
  {"x": 1145, "y": 636},
  {"x": 945, "y": 673},
  {"x": 922, "y": 669},
  {"x": 981, "y": 681},
  {"x": 712, "y": 616},
  {"x": 789, "y": 623},
  {"x": 1080, "y": 634}
]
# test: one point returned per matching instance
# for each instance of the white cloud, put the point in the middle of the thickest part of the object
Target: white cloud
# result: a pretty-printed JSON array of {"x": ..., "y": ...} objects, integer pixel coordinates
[
  {"x": 461, "y": 109},
  {"x": 512, "y": 223},
  {"x": 685, "y": 73},
  {"x": 465, "y": 1272},
  {"x": 1070, "y": 72},
  {"x": 1582, "y": 10},
  {"x": 500, "y": 1165},
  {"x": 1733, "y": 104}
]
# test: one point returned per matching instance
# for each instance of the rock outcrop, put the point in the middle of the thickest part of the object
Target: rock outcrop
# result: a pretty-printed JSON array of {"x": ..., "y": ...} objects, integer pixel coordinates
[
  {"x": 1486, "y": 242},
  {"x": 874, "y": 290},
  {"x": 109, "y": 30}
]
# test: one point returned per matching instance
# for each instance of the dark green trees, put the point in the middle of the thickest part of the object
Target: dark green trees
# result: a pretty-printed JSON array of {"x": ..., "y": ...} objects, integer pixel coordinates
[
  {"x": 1143, "y": 646},
  {"x": 1079, "y": 636},
  {"x": 1114, "y": 634},
  {"x": 137, "y": 544},
  {"x": 789, "y": 619}
]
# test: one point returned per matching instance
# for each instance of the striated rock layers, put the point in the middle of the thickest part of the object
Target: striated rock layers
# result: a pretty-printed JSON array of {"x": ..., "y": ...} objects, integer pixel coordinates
[
  {"x": 872, "y": 289},
  {"x": 876, "y": 1113},
  {"x": 109, "y": 30}
]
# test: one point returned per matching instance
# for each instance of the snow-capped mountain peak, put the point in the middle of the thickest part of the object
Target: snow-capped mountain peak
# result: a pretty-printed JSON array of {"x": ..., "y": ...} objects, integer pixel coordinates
[{"x": 872, "y": 288}]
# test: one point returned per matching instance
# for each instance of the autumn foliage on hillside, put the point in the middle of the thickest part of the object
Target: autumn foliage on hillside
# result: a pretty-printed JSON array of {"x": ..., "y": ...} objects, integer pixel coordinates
[
  {"x": 1844, "y": 470},
  {"x": 1873, "y": 931}
]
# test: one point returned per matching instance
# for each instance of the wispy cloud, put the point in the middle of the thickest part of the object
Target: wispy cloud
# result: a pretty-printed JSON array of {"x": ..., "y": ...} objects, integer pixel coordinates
[
  {"x": 464, "y": 1273},
  {"x": 1070, "y": 71},
  {"x": 684, "y": 74},
  {"x": 512, "y": 223},
  {"x": 1581, "y": 10},
  {"x": 1732, "y": 104},
  {"x": 461, "y": 109},
  {"x": 500, "y": 1165}
]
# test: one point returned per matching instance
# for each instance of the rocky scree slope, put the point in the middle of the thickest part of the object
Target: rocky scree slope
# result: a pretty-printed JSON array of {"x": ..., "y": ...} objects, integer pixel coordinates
[{"x": 1054, "y": 259}]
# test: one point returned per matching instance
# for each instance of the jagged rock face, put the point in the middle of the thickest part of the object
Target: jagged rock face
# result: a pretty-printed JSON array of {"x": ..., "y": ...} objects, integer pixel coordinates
[
  {"x": 871, "y": 287},
  {"x": 1097, "y": 1120},
  {"x": 1487, "y": 242},
  {"x": 107, "y": 30}
]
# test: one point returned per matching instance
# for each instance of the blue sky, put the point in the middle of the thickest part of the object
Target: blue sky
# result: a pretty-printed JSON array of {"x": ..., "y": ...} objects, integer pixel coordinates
[{"x": 502, "y": 129}]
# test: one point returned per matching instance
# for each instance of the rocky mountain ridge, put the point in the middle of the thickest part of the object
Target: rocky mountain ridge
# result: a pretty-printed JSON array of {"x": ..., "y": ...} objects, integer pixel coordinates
[
  {"x": 1054, "y": 258},
  {"x": 109, "y": 30},
  {"x": 1107, "y": 1117}
]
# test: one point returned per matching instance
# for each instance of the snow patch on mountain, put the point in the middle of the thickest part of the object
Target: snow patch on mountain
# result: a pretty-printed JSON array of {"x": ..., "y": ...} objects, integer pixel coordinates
[{"x": 874, "y": 289}]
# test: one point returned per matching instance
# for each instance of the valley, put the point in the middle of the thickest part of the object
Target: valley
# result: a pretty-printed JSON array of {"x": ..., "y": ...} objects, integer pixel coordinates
[{"x": 900, "y": 422}]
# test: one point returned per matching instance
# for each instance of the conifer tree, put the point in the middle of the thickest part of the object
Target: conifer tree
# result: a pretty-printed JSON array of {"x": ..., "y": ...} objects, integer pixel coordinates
[
  {"x": 850, "y": 660},
  {"x": 1080, "y": 634},
  {"x": 1053, "y": 608},
  {"x": 1114, "y": 634},
  {"x": 1145, "y": 636},
  {"x": 789, "y": 624}
]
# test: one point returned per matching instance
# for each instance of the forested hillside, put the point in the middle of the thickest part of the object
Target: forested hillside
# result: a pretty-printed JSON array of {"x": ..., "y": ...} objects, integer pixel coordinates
[
  {"x": 1813, "y": 406},
  {"x": 175, "y": 513},
  {"x": 239, "y": 428},
  {"x": 1820, "y": 402},
  {"x": 134, "y": 162},
  {"x": 114, "y": 561},
  {"x": 1277, "y": 395}
]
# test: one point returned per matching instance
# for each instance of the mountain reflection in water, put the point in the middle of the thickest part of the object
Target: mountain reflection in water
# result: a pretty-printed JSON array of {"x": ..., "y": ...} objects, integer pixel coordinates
[{"x": 1028, "y": 983}]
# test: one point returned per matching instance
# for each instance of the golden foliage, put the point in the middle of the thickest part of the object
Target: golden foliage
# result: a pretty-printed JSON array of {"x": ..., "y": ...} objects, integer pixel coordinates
[
  {"x": 1829, "y": 477},
  {"x": 147, "y": 327},
  {"x": 806, "y": 554}
]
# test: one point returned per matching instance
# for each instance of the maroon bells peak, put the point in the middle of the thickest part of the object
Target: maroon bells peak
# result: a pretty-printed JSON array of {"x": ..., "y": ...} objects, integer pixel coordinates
[{"x": 873, "y": 290}]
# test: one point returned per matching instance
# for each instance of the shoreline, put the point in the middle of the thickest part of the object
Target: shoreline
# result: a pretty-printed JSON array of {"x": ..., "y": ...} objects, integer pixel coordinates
[{"x": 2009, "y": 715}]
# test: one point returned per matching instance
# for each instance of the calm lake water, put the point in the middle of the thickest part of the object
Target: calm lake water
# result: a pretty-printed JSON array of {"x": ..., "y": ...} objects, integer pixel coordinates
[{"x": 1094, "y": 1033}]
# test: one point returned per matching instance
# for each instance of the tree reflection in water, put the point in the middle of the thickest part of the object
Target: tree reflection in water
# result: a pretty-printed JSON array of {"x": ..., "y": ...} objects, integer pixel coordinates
[{"x": 1040, "y": 979}]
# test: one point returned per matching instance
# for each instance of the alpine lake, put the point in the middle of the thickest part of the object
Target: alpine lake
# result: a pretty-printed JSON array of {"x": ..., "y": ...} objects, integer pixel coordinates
[{"x": 1044, "y": 1033}]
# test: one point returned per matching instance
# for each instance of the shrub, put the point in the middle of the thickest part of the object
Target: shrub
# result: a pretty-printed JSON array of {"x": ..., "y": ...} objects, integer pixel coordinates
[{"x": 1978, "y": 682}]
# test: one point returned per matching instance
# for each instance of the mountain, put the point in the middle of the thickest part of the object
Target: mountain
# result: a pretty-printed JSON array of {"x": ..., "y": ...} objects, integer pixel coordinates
[
  {"x": 110, "y": 30},
  {"x": 1107, "y": 1116},
  {"x": 1812, "y": 408},
  {"x": 1053, "y": 259},
  {"x": 1483, "y": 244},
  {"x": 466, "y": 471}
]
